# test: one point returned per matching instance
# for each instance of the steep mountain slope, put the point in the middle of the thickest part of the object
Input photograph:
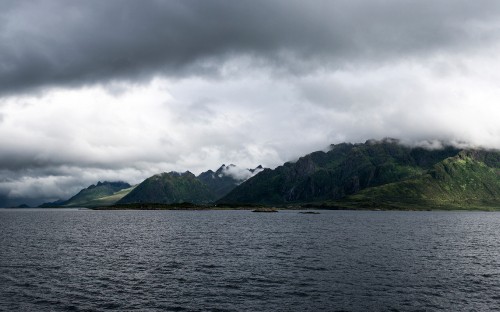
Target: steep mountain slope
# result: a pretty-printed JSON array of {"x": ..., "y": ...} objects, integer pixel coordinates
[
  {"x": 471, "y": 179},
  {"x": 218, "y": 182},
  {"x": 226, "y": 178},
  {"x": 344, "y": 170},
  {"x": 172, "y": 187}
]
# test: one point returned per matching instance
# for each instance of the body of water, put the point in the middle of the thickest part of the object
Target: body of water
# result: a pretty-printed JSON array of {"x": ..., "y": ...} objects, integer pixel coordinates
[{"x": 83, "y": 260}]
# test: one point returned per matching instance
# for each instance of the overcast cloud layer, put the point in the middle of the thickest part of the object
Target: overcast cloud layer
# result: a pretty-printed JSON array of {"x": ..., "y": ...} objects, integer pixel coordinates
[{"x": 121, "y": 90}]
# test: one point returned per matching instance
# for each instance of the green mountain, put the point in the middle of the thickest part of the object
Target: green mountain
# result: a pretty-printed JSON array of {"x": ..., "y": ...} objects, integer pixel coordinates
[
  {"x": 167, "y": 188},
  {"x": 380, "y": 174},
  {"x": 95, "y": 192},
  {"x": 108, "y": 200},
  {"x": 469, "y": 180},
  {"x": 173, "y": 187},
  {"x": 103, "y": 193}
]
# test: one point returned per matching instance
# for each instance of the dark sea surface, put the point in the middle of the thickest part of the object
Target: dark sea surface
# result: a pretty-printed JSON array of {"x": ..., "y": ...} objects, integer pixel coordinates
[{"x": 82, "y": 260}]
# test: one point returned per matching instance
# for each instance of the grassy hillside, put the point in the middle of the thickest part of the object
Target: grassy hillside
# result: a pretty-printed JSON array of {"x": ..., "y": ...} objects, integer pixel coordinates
[
  {"x": 469, "y": 180},
  {"x": 108, "y": 200},
  {"x": 167, "y": 188},
  {"x": 86, "y": 197}
]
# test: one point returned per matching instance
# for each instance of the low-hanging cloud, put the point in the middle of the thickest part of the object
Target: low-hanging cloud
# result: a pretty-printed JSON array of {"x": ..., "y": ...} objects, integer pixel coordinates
[{"x": 238, "y": 173}]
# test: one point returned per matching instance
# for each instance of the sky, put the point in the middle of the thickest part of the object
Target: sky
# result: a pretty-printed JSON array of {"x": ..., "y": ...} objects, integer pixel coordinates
[{"x": 121, "y": 89}]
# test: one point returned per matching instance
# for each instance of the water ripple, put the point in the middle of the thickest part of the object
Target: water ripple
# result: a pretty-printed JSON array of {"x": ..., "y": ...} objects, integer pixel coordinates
[{"x": 70, "y": 260}]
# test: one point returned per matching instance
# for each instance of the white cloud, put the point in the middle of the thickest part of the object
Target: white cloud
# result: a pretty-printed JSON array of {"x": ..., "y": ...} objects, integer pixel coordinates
[{"x": 238, "y": 173}]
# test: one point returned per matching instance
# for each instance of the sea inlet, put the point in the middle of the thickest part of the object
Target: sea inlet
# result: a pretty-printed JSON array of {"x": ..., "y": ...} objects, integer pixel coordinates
[{"x": 84, "y": 260}]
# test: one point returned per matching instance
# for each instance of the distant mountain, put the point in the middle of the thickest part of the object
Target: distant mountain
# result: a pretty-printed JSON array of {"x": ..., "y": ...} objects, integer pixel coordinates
[
  {"x": 173, "y": 187},
  {"x": 102, "y": 193},
  {"x": 94, "y": 192},
  {"x": 375, "y": 173},
  {"x": 108, "y": 200},
  {"x": 57, "y": 203}
]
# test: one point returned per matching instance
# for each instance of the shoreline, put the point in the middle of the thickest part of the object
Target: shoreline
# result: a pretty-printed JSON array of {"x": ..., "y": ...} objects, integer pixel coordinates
[
  {"x": 294, "y": 209},
  {"x": 306, "y": 207}
]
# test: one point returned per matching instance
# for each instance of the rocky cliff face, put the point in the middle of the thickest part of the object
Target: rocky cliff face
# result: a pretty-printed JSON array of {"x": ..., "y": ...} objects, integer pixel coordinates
[{"x": 221, "y": 182}]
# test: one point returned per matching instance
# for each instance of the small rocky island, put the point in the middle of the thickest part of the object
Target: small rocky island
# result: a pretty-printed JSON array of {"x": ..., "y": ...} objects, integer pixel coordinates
[{"x": 265, "y": 209}]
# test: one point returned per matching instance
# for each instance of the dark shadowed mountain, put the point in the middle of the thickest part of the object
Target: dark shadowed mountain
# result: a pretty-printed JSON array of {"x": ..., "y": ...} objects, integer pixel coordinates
[
  {"x": 57, "y": 203},
  {"x": 218, "y": 182},
  {"x": 226, "y": 178}
]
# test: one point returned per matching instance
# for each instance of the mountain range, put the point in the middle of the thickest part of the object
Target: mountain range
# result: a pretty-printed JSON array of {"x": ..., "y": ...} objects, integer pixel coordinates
[
  {"x": 379, "y": 174},
  {"x": 164, "y": 188},
  {"x": 372, "y": 175}
]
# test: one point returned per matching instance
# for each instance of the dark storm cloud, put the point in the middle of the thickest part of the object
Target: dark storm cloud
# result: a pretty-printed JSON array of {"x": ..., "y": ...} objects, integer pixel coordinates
[{"x": 45, "y": 43}]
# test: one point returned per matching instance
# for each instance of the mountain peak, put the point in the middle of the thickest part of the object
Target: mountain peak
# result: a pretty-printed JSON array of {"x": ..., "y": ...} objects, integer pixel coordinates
[{"x": 168, "y": 188}]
